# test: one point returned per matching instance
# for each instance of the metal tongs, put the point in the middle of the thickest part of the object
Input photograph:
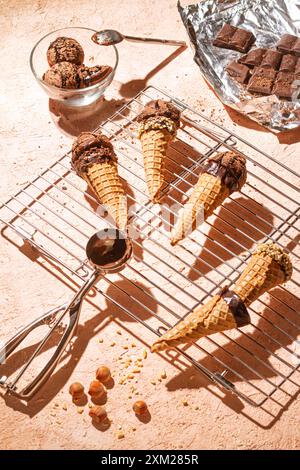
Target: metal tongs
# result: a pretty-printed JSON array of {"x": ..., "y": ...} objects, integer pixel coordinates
[{"x": 107, "y": 251}]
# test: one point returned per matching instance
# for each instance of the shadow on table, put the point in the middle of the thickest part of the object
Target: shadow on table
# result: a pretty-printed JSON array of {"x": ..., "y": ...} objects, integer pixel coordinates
[
  {"x": 263, "y": 355},
  {"x": 133, "y": 87},
  {"x": 73, "y": 120}
]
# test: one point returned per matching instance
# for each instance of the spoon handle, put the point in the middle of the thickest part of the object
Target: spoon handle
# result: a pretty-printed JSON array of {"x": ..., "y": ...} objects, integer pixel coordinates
[{"x": 169, "y": 42}]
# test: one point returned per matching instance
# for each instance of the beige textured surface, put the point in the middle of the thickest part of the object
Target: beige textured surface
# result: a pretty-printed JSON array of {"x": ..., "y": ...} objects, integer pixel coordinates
[{"x": 29, "y": 141}]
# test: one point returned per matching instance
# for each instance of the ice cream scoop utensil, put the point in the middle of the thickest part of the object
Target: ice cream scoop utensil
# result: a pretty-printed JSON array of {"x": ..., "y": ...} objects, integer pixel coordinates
[
  {"x": 108, "y": 37},
  {"x": 107, "y": 251}
]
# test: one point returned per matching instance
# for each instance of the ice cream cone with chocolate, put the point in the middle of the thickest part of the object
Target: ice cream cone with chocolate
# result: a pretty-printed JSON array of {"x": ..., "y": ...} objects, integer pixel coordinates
[
  {"x": 94, "y": 160},
  {"x": 222, "y": 174},
  {"x": 269, "y": 266},
  {"x": 159, "y": 122}
]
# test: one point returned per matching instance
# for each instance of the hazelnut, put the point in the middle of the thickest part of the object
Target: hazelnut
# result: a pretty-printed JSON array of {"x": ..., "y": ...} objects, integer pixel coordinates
[
  {"x": 98, "y": 414},
  {"x": 103, "y": 374},
  {"x": 140, "y": 407},
  {"x": 76, "y": 390},
  {"x": 96, "y": 389}
]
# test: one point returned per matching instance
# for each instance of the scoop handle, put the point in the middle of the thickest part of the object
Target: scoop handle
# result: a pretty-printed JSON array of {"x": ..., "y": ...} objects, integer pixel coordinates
[{"x": 169, "y": 42}]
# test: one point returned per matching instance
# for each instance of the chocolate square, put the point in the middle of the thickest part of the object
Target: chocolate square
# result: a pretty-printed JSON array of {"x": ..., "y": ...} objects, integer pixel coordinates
[
  {"x": 286, "y": 77},
  {"x": 267, "y": 73},
  {"x": 284, "y": 86},
  {"x": 238, "y": 71},
  {"x": 253, "y": 58},
  {"x": 271, "y": 60},
  {"x": 288, "y": 63},
  {"x": 283, "y": 90},
  {"x": 224, "y": 35},
  {"x": 296, "y": 48},
  {"x": 262, "y": 81},
  {"x": 242, "y": 40},
  {"x": 286, "y": 43}
]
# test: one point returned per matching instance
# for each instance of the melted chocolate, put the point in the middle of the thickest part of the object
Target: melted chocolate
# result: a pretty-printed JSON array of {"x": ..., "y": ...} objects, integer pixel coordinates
[
  {"x": 91, "y": 148},
  {"x": 229, "y": 167},
  {"x": 237, "y": 307}
]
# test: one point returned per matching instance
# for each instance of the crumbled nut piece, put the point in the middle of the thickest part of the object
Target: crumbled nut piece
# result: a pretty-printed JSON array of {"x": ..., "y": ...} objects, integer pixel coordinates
[
  {"x": 80, "y": 410},
  {"x": 120, "y": 435},
  {"x": 64, "y": 407},
  {"x": 136, "y": 371},
  {"x": 153, "y": 382},
  {"x": 130, "y": 376},
  {"x": 125, "y": 346},
  {"x": 113, "y": 344},
  {"x": 100, "y": 340},
  {"x": 145, "y": 354},
  {"x": 163, "y": 375},
  {"x": 185, "y": 403},
  {"x": 133, "y": 345},
  {"x": 119, "y": 332}
]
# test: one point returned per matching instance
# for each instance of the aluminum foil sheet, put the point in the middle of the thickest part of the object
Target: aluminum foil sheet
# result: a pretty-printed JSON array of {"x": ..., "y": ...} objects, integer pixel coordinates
[{"x": 268, "y": 20}]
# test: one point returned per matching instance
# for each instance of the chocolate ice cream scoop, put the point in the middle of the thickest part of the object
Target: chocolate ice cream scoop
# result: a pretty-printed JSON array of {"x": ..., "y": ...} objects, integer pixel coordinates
[
  {"x": 63, "y": 75},
  {"x": 91, "y": 75},
  {"x": 158, "y": 108},
  {"x": 91, "y": 148},
  {"x": 65, "y": 50},
  {"x": 230, "y": 167}
]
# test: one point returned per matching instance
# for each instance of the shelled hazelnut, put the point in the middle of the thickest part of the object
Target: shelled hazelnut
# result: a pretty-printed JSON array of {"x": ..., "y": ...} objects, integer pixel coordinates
[
  {"x": 103, "y": 374},
  {"x": 76, "y": 390},
  {"x": 96, "y": 389},
  {"x": 98, "y": 414},
  {"x": 140, "y": 407}
]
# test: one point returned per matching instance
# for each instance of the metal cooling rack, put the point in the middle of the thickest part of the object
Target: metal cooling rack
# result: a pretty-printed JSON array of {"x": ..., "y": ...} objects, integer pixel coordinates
[{"x": 161, "y": 285}]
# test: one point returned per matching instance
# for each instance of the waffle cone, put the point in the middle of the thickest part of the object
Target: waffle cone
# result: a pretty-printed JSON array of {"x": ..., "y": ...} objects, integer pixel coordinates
[
  {"x": 211, "y": 317},
  {"x": 154, "y": 146},
  {"x": 208, "y": 193},
  {"x": 261, "y": 274},
  {"x": 104, "y": 180}
]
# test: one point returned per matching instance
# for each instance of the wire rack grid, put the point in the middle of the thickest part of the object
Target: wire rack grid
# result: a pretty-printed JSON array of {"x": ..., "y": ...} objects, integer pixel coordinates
[{"x": 161, "y": 284}]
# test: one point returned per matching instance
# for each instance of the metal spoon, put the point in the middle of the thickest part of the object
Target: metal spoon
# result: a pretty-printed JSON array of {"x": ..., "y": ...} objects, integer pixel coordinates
[{"x": 108, "y": 37}]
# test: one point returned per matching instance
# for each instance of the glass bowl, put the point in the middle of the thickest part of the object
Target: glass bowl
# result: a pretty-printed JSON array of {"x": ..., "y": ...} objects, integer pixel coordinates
[{"x": 93, "y": 55}]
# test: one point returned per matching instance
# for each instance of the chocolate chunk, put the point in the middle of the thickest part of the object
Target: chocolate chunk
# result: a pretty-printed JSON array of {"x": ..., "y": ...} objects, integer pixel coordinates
[
  {"x": 224, "y": 35},
  {"x": 271, "y": 60},
  {"x": 253, "y": 58},
  {"x": 296, "y": 48},
  {"x": 297, "y": 69},
  {"x": 242, "y": 40},
  {"x": 288, "y": 63},
  {"x": 286, "y": 43},
  {"x": 238, "y": 71},
  {"x": 262, "y": 81},
  {"x": 287, "y": 77},
  {"x": 284, "y": 85},
  {"x": 237, "y": 307}
]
